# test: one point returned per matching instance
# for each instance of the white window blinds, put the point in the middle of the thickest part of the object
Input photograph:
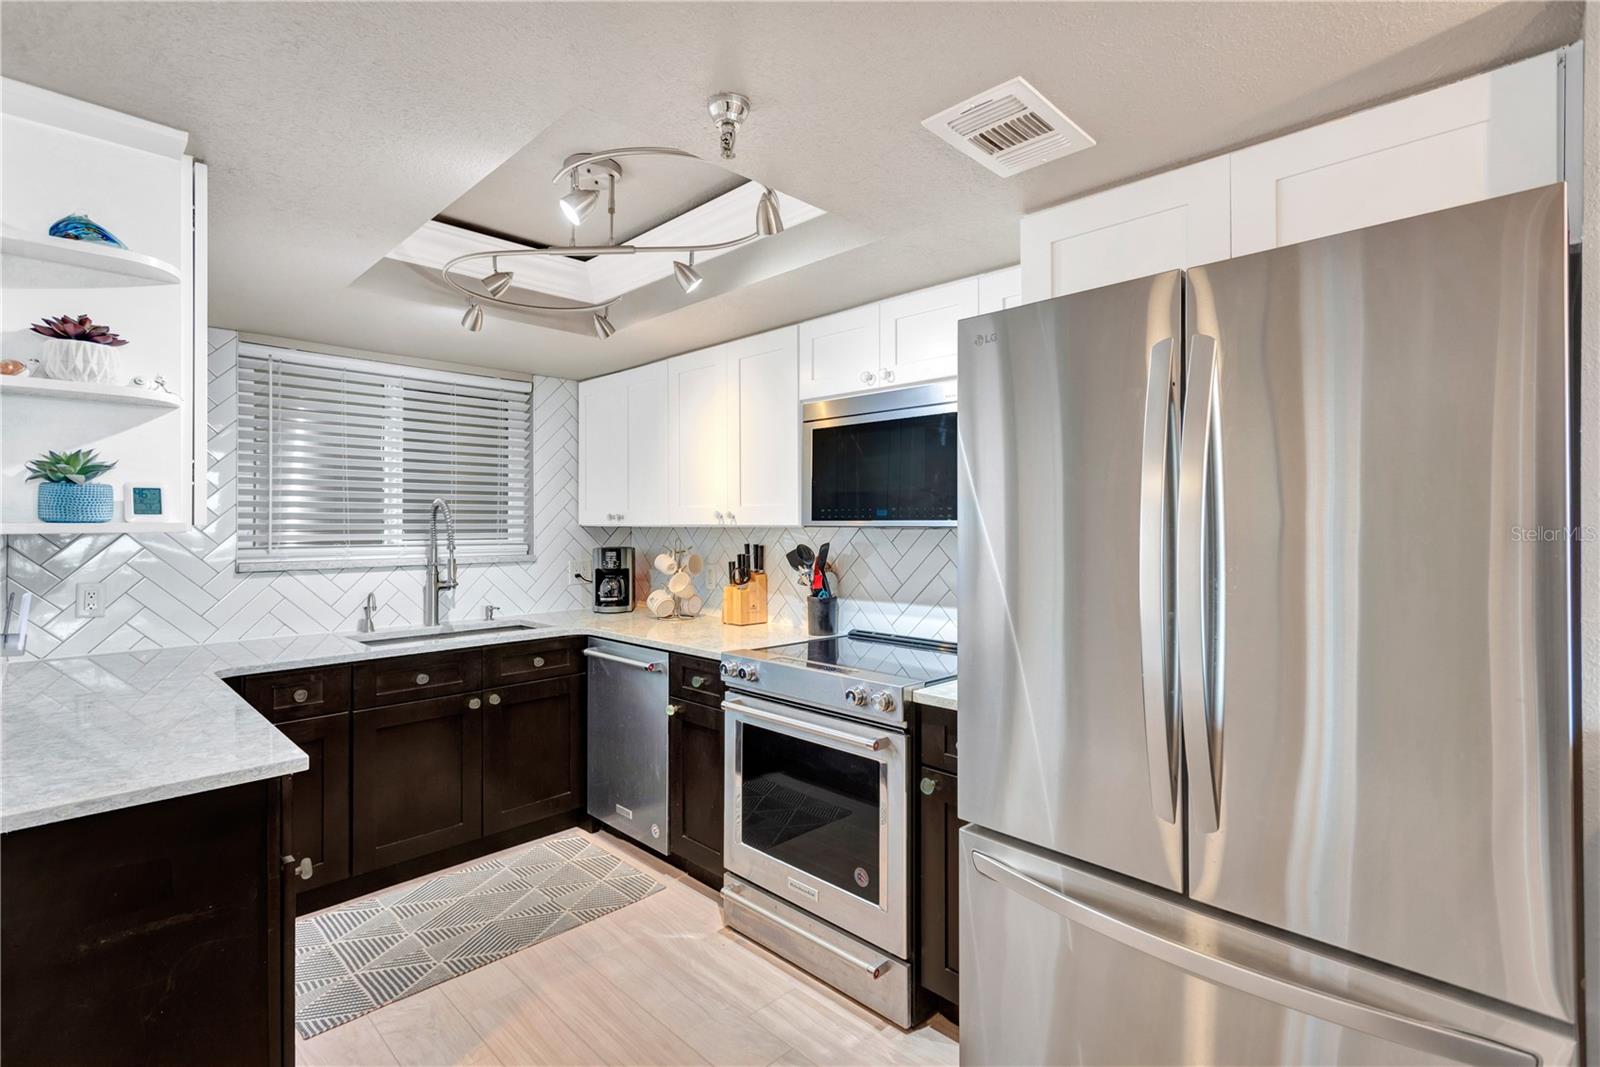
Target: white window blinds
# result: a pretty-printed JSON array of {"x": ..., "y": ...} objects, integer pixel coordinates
[{"x": 340, "y": 461}]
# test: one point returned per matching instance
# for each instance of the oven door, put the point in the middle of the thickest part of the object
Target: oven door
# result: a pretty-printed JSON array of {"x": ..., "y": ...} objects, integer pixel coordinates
[{"x": 815, "y": 813}]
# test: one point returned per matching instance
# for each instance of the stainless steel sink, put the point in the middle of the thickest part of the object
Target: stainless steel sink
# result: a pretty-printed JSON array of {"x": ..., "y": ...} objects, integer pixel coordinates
[{"x": 446, "y": 633}]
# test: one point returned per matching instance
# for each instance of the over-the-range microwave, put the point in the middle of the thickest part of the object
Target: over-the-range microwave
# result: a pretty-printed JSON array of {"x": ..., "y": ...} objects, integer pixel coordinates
[{"x": 885, "y": 458}]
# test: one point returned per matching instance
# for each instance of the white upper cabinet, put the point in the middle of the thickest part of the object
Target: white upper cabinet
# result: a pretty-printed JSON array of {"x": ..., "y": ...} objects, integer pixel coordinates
[
  {"x": 917, "y": 332},
  {"x": 839, "y": 352},
  {"x": 1168, "y": 221},
  {"x": 1491, "y": 135},
  {"x": 763, "y": 430},
  {"x": 698, "y": 407},
  {"x": 999, "y": 289},
  {"x": 622, "y": 448}
]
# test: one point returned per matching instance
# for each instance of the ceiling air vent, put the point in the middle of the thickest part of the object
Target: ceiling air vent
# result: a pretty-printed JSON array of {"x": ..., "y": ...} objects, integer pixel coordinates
[{"x": 1010, "y": 128}]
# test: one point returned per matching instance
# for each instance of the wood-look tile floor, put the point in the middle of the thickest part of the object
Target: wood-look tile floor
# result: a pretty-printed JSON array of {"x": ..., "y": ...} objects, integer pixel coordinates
[{"x": 657, "y": 982}]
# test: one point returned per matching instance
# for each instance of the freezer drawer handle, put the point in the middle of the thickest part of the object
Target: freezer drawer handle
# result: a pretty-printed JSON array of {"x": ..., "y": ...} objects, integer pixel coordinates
[
  {"x": 871, "y": 744},
  {"x": 1160, "y": 433},
  {"x": 1449, "y": 1044},
  {"x": 876, "y": 970},
  {"x": 1200, "y": 651},
  {"x": 638, "y": 665}
]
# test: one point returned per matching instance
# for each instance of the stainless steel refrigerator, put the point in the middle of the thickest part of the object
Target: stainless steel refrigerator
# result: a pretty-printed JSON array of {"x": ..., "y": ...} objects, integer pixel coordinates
[{"x": 1266, "y": 658}]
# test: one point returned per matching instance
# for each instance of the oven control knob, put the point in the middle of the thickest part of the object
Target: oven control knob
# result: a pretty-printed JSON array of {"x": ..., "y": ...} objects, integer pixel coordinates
[
  {"x": 882, "y": 703},
  {"x": 741, "y": 671},
  {"x": 727, "y": 669},
  {"x": 856, "y": 696},
  {"x": 750, "y": 673}
]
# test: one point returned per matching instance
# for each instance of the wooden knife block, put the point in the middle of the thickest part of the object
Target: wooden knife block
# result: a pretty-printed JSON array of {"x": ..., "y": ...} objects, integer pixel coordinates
[{"x": 745, "y": 605}]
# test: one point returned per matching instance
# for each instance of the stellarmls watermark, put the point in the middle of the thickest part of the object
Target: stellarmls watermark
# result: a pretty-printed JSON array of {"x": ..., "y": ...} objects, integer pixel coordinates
[{"x": 1548, "y": 534}]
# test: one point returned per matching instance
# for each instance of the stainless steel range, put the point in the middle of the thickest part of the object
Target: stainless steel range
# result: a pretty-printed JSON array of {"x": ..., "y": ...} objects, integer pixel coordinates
[{"x": 817, "y": 803}]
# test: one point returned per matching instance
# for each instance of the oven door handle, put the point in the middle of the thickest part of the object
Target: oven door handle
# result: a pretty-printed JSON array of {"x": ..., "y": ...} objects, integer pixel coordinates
[
  {"x": 876, "y": 970},
  {"x": 870, "y": 744}
]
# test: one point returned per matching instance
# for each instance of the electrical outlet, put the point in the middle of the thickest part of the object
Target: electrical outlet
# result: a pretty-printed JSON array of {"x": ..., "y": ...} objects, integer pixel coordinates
[
  {"x": 91, "y": 600},
  {"x": 578, "y": 569}
]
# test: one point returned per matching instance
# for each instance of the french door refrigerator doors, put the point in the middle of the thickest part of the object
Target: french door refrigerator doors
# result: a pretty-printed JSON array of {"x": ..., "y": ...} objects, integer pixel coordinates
[
  {"x": 1062, "y": 965},
  {"x": 1373, "y": 596},
  {"x": 1067, "y": 453}
]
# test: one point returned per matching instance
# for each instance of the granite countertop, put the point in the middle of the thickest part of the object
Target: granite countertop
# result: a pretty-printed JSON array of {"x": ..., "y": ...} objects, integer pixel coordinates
[
  {"x": 938, "y": 695},
  {"x": 98, "y": 733}
]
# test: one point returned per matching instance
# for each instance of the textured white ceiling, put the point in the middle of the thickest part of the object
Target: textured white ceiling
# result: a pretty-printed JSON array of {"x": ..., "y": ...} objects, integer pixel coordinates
[{"x": 334, "y": 130}]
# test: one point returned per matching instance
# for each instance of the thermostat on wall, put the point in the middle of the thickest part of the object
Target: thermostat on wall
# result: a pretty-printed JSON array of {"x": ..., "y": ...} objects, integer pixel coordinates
[{"x": 145, "y": 502}]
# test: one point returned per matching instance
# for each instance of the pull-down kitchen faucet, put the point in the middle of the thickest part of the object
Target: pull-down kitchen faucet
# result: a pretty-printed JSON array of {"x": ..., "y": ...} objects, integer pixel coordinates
[{"x": 432, "y": 584}]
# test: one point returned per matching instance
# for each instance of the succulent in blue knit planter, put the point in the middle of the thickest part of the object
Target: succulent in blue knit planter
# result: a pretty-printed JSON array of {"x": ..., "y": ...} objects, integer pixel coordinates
[{"x": 66, "y": 492}]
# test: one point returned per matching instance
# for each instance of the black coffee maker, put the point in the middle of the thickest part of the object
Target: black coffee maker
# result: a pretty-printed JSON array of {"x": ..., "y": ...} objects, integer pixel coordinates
[{"x": 613, "y": 580}]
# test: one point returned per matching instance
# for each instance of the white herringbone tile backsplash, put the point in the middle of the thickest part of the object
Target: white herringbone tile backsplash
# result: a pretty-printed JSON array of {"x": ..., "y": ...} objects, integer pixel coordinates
[{"x": 181, "y": 589}]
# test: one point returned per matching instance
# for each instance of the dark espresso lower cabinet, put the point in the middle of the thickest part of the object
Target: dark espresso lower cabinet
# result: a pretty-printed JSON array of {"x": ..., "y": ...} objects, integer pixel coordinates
[
  {"x": 939, "y": 884},
  {"x": 533, "y": 740},
  {"x": 694, "y": 785},
  {"x": 320, "y": 816},
  {"x": 417, "y": 779}
]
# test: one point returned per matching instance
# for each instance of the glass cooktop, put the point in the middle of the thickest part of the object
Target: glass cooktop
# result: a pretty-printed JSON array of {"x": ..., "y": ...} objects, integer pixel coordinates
[{"x": 906, "y": 659}]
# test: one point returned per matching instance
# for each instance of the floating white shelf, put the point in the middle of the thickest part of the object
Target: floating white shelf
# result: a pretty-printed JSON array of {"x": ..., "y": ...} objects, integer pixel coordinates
[
  {"x": 130, "y": 395},
  {"x": 69, "y": 529},
  {"x": 58, "y": 263}
]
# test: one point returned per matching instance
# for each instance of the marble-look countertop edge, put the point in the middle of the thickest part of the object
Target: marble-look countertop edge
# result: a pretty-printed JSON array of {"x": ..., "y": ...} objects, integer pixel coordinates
[
  {"x": 938, "y": 695},
  {"x": 98, "y": 683}
]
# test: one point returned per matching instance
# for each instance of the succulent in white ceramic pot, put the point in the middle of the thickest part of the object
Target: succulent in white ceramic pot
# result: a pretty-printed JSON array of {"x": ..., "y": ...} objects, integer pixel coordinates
[{"x": 79, "y": 350}]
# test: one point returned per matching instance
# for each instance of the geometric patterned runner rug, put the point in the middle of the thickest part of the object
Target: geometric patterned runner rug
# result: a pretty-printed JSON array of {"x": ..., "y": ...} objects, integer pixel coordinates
[{"x": 365, "y": 953}]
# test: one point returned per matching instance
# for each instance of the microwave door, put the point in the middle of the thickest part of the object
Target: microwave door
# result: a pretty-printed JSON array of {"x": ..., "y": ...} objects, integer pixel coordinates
[{"x": 883, "y": 459}]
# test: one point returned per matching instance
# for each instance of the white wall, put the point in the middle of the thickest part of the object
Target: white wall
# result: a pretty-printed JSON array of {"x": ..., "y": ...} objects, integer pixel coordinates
[{"x": 1589, "y": 516}]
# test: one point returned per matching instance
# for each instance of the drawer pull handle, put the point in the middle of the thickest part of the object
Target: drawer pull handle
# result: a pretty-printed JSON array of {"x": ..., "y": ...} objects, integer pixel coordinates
[
  {"x": 494, "y": 698},
  {"x": 538, "y": 661},
  {"x": 673, "y": 709},
  {"x": 422, "y": 679},
  {"x": 300, "y": 868},
  {"x": 698, "y": 680},
  {"x": 929, "y": 786},
  {"x": 301, "y": 695},
  {"x": 474, "y": 703}
]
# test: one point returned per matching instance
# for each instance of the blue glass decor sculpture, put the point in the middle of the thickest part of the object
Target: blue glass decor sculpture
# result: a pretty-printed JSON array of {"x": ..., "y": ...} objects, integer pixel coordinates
[{"x": 83, "y": 228}]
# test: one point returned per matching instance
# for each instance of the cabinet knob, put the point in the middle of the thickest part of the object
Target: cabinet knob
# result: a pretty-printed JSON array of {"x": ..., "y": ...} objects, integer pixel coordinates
[
  {"x": 867, "y": 376},
  {"x": 697, "y": 680},
  {"x": 538, "y": 661},
  {"x": 673, "y": 709},
  {"x": 422, "y": 679},
  {"x": 929, "y": 786},
  {"x": 620, "y": 516},
  {"x": 301, "y": 695},
  {"x": 888, "y": 375},
  {"x": 494, "y": 698},
  {"x": 730, "y": 518},
  {"x": 719, "y": 516},
  {"x": 474, "y": 703},
  {"x": 301, "y": 868}
]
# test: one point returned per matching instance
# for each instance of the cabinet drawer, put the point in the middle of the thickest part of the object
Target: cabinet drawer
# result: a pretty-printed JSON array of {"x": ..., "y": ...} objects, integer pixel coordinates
[
  {"x": 394, "y": 681},
  {"x": 287, "y": 695},
  {"x": 531, "y": 662},
  {"x": 696, "y": 679},
  {"x": 936, "y": 733}
]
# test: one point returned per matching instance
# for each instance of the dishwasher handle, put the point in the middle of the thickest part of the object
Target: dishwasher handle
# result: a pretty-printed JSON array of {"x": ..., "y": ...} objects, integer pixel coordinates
[{"x": 611, "y": 657}]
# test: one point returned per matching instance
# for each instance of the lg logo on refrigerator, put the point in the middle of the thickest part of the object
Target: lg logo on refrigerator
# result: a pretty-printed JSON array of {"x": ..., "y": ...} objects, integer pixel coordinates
[{"x": 983, "y": 339}]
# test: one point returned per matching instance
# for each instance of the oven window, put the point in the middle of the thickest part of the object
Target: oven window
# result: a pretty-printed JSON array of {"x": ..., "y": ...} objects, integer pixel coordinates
[
  {"x": 812, "y": 807},
  {"x": 895, "y": 470}
]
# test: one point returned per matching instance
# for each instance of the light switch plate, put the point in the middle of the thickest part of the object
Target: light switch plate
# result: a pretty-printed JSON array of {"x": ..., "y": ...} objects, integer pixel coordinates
[{"x": 91, "y": 600}]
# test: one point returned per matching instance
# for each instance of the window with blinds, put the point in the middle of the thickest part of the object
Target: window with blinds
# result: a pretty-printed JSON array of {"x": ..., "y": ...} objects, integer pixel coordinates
[{"x": 341, "y": 459}]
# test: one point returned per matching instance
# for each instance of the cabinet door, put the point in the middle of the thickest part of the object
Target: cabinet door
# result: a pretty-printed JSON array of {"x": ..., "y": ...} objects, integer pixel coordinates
[
  {"x": 917, "y": 332},
  {"x": 763, "y": 430},
  {"x": 648, "y": 417},
  {"x": 939, "y": 884},
  {"x": 999, "y": 289},
  {"x": 839, "y": 353},
  {"x": 532, "y": 753},
  {"x": 319, "y": 816},
  {"x": 1487, "y": 136},
  {"x": 694, "y": 782},
  {"x": 602, "y": 450},
  {"x": 1169, "y": 221},
  {"x": 697, "y": 438},
  {"x": 417, "y": 777}
]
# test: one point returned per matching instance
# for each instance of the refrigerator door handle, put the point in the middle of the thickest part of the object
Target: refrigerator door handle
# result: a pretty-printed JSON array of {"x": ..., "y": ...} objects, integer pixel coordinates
[
  {"x": 1160, "y": 439},
  {"x": 1199, "y": 648},
  {"x": 1386, "y": 1025}
]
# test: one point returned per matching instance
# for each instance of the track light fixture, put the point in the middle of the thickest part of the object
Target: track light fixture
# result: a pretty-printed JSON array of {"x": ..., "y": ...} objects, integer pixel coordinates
[{"x": 587, "y": 174}]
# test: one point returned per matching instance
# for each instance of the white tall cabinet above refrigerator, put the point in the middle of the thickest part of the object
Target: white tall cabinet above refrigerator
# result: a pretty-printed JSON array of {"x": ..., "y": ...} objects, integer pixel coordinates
[{"x": 133, "y": 177}]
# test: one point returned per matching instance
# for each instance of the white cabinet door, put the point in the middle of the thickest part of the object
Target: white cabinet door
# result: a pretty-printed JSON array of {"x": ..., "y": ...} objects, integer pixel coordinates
[
  {"x": 764, "y": 430},
  {"x": 697, "y": 437},
  {"x": 647, "y": 426},
  {"x": 999, "y": 289},
  {"x": 918, "y": 332},
  {"x": 602, "y": 450},
  {"x": 1168, "y": 221},
  {"x": 839, "y": 353},
  {"x": 1491, "y": 135}
]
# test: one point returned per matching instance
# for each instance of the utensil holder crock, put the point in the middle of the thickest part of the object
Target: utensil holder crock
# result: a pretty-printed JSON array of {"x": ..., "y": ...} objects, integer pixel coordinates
[{"x": 822, "y": 615}]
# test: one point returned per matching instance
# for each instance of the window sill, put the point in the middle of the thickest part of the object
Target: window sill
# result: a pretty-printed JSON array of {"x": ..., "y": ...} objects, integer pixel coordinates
[{"x": 359, "y": 563}]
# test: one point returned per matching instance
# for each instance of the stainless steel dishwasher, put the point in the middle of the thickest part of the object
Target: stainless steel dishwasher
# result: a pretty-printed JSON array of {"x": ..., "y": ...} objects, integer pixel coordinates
[{"x": 628, "y": 740}]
